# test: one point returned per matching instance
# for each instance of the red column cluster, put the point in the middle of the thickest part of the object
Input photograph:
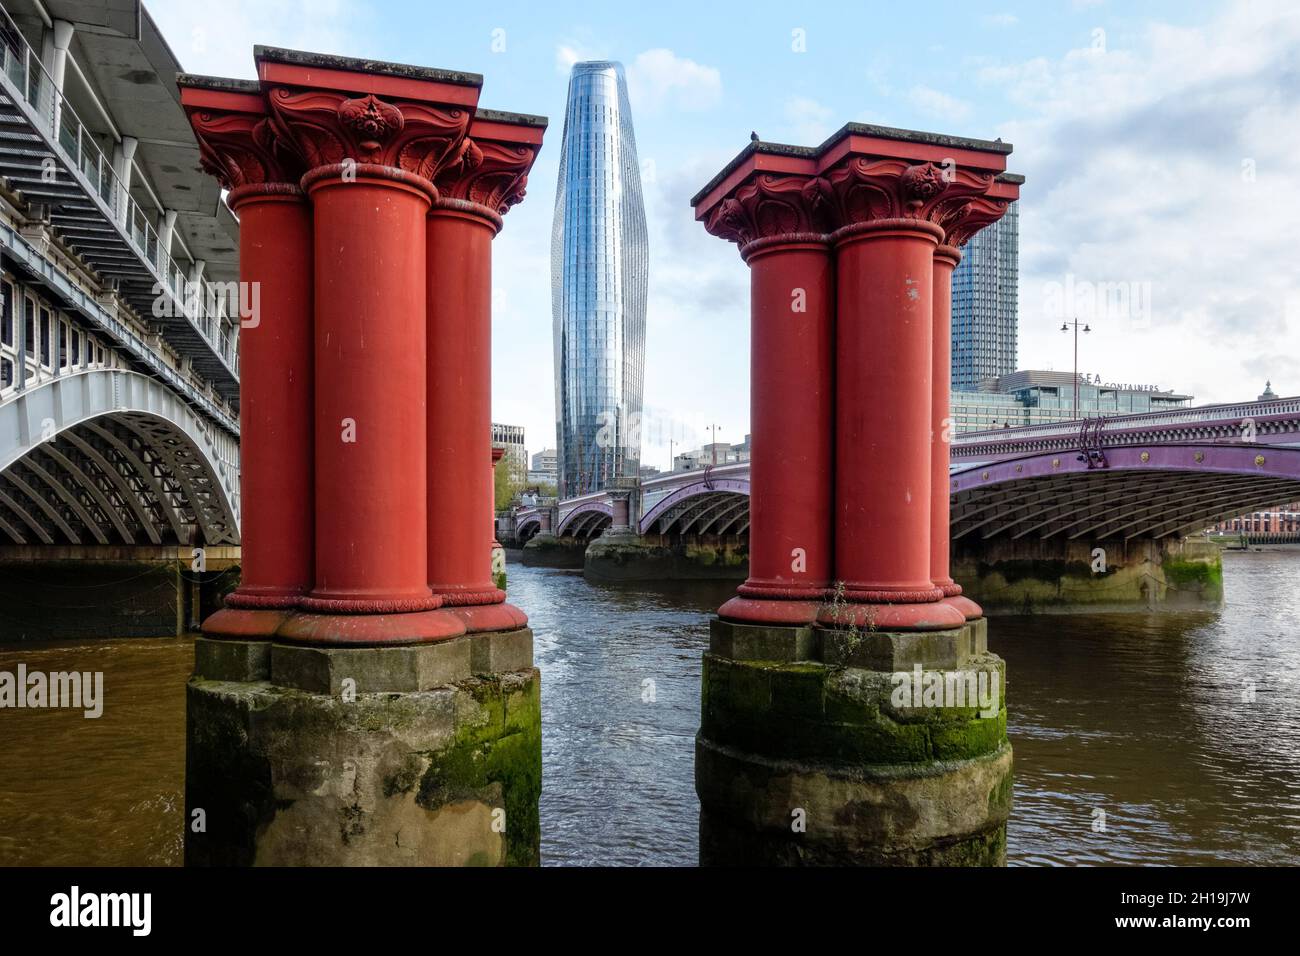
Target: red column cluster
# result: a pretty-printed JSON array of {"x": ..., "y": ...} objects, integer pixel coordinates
[
  {"x": 848, "y": 480},
  {"x": 369, "y": 194}
]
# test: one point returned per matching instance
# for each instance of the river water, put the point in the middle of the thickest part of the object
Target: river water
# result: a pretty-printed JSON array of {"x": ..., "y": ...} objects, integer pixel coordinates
[{"x": 1139, "y": 738}]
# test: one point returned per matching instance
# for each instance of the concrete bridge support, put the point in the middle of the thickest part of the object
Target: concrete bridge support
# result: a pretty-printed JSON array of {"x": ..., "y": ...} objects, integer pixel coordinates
[
  {"x": 391, "y": 716},
  {"x": 870, "y": 728},
  {"x": 1057, "y": 575}
]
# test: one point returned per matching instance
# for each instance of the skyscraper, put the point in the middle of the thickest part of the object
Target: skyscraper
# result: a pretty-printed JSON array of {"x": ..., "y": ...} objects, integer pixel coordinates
[
  {"x": 985, "y": 307},
  {"x": 599, "y": 268}
]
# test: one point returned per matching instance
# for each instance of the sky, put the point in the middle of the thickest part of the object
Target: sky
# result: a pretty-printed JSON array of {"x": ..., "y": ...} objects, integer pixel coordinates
[{"x": 1160, "y": 143}]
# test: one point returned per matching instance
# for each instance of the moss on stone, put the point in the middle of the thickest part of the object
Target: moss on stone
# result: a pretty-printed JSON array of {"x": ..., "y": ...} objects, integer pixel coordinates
[{"x": 499, "y": 751}]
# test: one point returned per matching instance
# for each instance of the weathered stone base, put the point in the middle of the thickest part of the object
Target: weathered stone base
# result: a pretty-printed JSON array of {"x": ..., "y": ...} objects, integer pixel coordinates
[
  {"x": 807, "y": 753},
  {"x": 633, "y": 557},
  {"x": 547, "y": 551},
  {"x": 1032, "y": 576},
  {"x": 420, "y": 755}
]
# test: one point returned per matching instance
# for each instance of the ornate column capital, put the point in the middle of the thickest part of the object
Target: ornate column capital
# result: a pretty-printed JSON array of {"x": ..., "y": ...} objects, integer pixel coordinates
[
  {"x": 491, "y": 171},
  {"x": 338, "y": 110},
  {"x": 863, "y": 189},
  {"x": 962, "y": 220},
  {"x": 239, "y": 145},
  {"x": 771, "y": 206}
]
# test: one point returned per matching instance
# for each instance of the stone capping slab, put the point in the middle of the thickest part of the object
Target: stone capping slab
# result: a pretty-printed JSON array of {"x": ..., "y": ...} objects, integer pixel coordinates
[
  {"x": 232, "y": 660},
  {"x": 856, "y": 129},
  {"x": 888, "y": 651},
  {"x": 758, "y": 642},
  {"x": 225, "y": 83},
  {"x": 511, "y": 119},
  {"x": 327, "y": 61},
  {"x": 400, "y": 668}
]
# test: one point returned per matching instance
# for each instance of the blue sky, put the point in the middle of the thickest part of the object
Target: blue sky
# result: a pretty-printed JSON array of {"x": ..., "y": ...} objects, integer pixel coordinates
[{"x": 1160, "y": 141}]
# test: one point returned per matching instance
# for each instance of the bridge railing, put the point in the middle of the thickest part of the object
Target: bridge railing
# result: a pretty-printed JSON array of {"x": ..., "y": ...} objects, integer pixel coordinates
[
  {"x": 26, "y": 81},
  {"x": 1203, "y": 414}
]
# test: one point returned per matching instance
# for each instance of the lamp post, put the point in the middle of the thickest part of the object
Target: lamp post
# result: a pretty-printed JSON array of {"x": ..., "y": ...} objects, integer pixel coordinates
[
  {"x": 1065, "y": 327},
  {"x": 714, "y": 430}
]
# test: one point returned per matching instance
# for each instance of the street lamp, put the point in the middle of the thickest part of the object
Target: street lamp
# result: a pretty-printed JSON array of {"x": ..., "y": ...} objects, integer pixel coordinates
[
  {"x": 1065, "y": 327},
  {"x": 714, "y": 430}
]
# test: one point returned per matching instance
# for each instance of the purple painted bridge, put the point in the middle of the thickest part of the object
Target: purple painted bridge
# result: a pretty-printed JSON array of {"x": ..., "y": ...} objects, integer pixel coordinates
[{"x": 1131, "y": 476}]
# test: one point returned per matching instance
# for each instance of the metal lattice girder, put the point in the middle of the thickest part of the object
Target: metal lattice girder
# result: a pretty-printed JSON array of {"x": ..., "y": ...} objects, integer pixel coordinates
[{"x": 111, "y": 454}]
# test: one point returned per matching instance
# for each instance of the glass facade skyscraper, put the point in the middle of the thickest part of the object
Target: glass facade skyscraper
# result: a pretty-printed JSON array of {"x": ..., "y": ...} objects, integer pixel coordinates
[
  {"x": 985, "y": 305},
  {"x": 599, "y": 272}
]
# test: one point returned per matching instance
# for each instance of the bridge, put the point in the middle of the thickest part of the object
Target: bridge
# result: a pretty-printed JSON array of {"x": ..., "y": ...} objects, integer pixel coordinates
[
  {"x": 1150, "y": 477},
  {"x": 119, "y": 370},
  {"x": 1147, "y": 475}
]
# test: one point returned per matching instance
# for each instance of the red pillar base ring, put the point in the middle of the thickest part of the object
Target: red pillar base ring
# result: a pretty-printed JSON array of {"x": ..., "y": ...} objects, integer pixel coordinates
[
  {"x": 928, "y": 616},
  {"x": 266, "y": 599},
  {"x": 969, "y": 609},
  {"x": 245, "y": 624},
  {"x": 489, "y": 617},
  {"x": 747, "y": 610},
  {"x": 952, "y": 596},
  {"x": 367, "y": 630}
]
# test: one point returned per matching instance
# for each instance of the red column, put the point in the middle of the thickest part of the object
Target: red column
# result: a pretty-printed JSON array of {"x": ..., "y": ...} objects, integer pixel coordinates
[
  {"x": 498, "y": 153},
  {"x": 275, "y": 415},
  {"x": 238, "y": 145},
  {"x": 942, "y": 430},
  {"x": 620, "y": 509},
  {"x": 370, "y": 403},
  {"x": 792, "y": 378},
  {"x": 792, "y": 300},
  {"x": 884, "y": 337},
  {"x": 497, "y": 455}
]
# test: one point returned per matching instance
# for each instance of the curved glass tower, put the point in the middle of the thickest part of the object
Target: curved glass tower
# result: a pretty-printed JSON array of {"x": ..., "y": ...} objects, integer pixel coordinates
[{"x": 599, "y": 269}]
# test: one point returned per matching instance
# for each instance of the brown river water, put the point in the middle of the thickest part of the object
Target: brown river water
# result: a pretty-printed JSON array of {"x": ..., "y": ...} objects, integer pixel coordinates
[{"x": 1182, "y": 729}]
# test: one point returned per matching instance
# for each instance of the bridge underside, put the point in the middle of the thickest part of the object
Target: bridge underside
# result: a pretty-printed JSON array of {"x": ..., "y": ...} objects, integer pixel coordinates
[
  {"x": 126, "y": 478},
  {"x": 1129, "y": 502}
]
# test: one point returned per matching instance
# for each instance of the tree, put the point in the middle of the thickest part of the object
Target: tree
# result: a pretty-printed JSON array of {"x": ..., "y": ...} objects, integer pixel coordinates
[{"x": 507, "y": 485}]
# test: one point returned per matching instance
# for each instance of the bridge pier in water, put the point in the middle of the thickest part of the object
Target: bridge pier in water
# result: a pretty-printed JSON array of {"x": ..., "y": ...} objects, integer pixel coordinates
[
  {"x": 368, "y": 696},
  {"x": 851, "y": 711}
]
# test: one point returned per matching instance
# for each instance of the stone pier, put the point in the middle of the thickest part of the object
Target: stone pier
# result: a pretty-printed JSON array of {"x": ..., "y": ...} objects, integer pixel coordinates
[
  {"x": 368, "y": 697},
  {"x": 851, "y": 712}
]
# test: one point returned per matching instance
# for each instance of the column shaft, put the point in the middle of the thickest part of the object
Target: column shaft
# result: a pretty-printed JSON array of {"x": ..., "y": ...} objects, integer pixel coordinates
[
  {"x": 371, "y": 550},
  {"x": 276, "y": 396},
  {"x": 942, "y": 431},
  {"x": 792, "y": 296},
  {"x": 460, "y": 490},
  {"x": 884, "y": 328}
]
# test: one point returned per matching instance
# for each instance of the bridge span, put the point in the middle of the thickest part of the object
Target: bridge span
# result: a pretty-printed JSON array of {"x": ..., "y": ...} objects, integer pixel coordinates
[{"x": 1136, "y": 484}]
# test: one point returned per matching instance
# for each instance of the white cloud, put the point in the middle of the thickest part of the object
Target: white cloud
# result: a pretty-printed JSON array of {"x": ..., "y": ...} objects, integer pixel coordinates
[
  {"x": 935, "y": 103},
  {"x": 1002, "y": 19},
  {"x": 224, "y": 46},
  {"x": 1139, "y": 165},
  {"x": 809, "y": 122},
  {"x": 659, "y": 78}
]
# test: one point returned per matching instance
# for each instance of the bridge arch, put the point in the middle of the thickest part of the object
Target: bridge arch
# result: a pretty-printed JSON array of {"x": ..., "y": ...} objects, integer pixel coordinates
[
  {"x": 114, "y": 457},
  {"x": 709, "y": 506},
  {"x": 527, "y": 527},
  {"x": 1151, "y": 492},
  {"x": 586, "y": 520}
]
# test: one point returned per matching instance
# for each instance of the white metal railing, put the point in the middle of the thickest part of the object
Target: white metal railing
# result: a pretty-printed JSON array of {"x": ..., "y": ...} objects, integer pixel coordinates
[
  {"x": 31, "y": 87},
  {"x": 1183, "y": 416}
]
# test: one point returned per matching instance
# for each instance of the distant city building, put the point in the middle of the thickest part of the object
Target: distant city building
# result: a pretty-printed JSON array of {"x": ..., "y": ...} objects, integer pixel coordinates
[
  {"x": 1280, "y": 521},
  {"x": 546, "y": 460},
  {"x": 599, "y": 273},
  {"x": 985, "y": 304},
  {"x": 511, "y": 438},
  {"x": 720, "y": 453},
  {"x": 1036, "y": 397}
]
